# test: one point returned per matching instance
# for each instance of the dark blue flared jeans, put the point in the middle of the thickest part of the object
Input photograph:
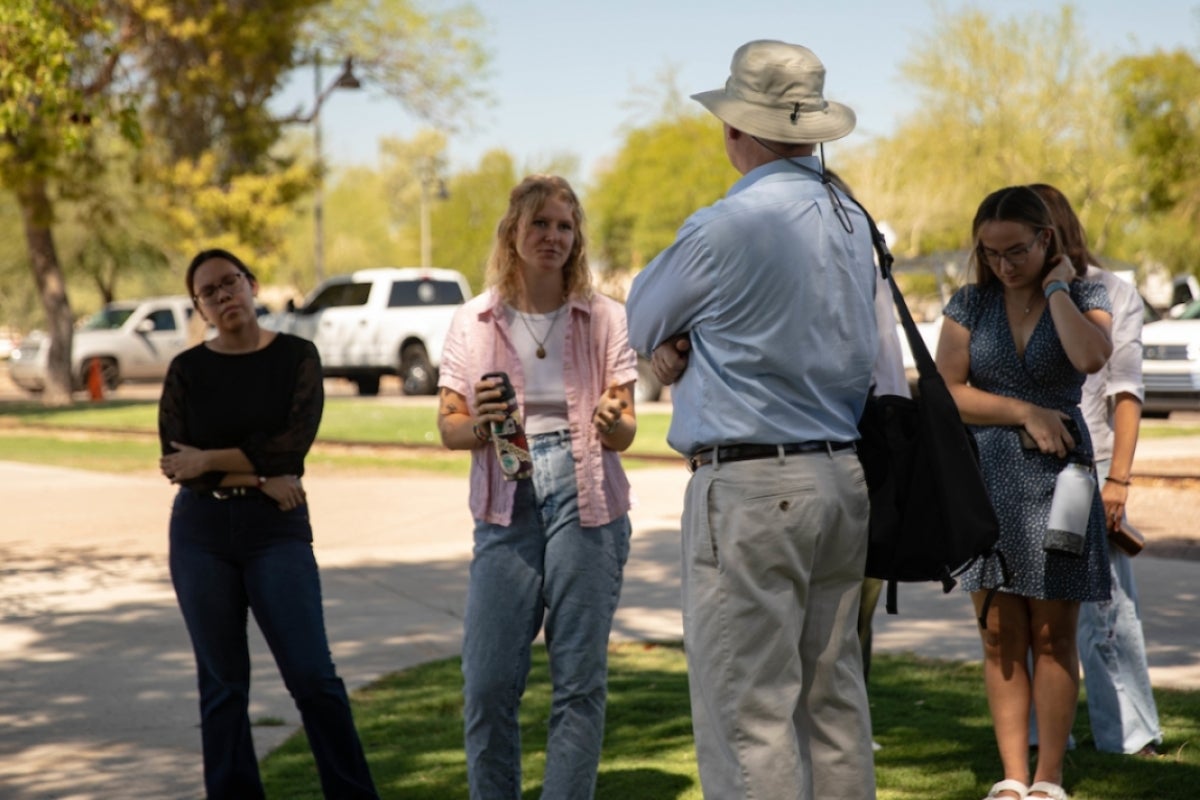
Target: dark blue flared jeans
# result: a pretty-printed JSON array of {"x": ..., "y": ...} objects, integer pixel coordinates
[{"x": 243, "y": 554}]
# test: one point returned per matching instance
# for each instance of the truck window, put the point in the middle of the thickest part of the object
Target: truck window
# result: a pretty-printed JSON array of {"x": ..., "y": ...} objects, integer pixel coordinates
[
  {"x": 339, "y": 294},
  {"x": 163, "y": 318},
  {"x": 425, "y": 293},
  {"x": 107, "y": 319}
]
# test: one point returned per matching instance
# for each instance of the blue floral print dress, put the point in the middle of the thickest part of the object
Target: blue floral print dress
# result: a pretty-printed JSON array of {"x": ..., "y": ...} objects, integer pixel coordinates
[{"x": 1020, "y": 482}]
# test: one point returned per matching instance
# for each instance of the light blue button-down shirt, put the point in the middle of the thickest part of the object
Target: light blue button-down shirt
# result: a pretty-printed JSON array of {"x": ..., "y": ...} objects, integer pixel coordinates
[{"x": 779, "y": 301}]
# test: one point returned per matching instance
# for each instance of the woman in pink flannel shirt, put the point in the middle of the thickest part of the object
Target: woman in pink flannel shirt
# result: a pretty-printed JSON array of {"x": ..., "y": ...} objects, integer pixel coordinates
[{"x": 550, "y": 549}]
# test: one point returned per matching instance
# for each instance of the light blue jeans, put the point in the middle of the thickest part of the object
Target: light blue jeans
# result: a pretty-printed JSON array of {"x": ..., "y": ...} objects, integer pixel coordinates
[
  {"x": 543, "y": 568},
  {"x": 1112, "y": 651}
]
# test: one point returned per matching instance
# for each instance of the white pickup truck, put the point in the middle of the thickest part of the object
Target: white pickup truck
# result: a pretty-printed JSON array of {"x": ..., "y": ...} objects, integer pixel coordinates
[
  {"x": 376, "y": 322},
  {"x": 133, "y": 340}
]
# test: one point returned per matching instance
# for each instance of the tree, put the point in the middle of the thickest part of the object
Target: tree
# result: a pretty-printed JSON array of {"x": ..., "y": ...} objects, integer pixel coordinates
[
  {"x": 999, "y": 102},
  {"x": 58, "y": 87},
  {"x": 195, "y": 80},
  {"x": 1159, "y": 116},
  {"x": 664, "y": 171},
  {"x": 428, "y": 60},
  {"x": 466, "y": 222}
]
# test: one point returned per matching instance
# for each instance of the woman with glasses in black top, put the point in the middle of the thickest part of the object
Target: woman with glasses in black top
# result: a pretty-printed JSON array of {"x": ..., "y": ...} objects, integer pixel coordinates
[{"x": 237, "y": 416}]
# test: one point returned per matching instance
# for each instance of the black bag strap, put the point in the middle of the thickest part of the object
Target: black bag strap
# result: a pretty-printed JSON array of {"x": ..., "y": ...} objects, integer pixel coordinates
[{"x": 926, "y": 368}]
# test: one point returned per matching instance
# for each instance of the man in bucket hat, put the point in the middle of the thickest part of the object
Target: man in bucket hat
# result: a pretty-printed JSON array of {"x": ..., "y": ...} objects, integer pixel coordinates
[{"x": 762, "y": 309}]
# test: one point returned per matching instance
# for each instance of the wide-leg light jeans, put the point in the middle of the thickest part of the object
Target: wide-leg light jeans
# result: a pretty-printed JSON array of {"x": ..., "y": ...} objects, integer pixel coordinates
[
  {"x": 547, "y": 568},
  {"x": 1112, "y": 651}
]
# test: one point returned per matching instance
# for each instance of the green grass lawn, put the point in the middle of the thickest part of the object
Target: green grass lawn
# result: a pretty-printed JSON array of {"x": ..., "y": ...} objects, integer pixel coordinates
[
  {"x": 931, "y": 718},
  {"x": 346, "y": 419},
  {"x": 365, "y": 421}
]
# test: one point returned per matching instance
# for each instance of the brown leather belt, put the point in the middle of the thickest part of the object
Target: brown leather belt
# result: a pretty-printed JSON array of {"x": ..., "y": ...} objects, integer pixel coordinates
[{"x": 746, "y": 452}]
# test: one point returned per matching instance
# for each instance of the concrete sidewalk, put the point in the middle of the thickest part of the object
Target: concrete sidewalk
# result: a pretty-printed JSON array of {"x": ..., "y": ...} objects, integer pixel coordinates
[{"x": 97, "y": 683}]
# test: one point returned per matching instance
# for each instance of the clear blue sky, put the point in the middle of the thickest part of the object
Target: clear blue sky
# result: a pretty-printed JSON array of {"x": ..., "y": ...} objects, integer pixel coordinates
[{"x": 563, "y": 73}]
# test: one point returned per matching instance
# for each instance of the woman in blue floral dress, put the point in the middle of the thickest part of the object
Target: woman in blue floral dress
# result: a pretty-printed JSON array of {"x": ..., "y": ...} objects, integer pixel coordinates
[{"x": 1015, "y": 349}]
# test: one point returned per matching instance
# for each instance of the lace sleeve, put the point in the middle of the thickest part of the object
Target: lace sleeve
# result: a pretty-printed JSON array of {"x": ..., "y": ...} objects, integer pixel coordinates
[
  {"x": 172, "y": 422},
  {"x": 283, "y": 452}
]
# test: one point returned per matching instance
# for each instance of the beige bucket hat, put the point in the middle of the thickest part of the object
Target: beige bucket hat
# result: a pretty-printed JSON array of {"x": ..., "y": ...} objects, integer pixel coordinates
[{"x": 774, "y": 92}]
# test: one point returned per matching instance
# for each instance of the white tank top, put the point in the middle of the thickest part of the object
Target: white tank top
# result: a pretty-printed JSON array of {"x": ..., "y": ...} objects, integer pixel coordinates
[{"x": 545, "y": 390}]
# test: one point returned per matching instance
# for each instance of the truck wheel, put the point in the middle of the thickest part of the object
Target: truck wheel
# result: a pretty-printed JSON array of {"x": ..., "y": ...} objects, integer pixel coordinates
[
  {"x": 415, "y": 371},
  {"x": 368, "y": 385}
]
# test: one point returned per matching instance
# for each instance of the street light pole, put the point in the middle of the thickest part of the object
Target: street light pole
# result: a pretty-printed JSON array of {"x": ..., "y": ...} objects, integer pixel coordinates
[
  {"x": 345, "y": 80},
  {"x": 427, "y": 180},
  {"x": 426, "y": 241}
]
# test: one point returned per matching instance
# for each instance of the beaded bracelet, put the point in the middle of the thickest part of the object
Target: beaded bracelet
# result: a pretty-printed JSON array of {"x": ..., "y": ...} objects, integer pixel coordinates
[{"x": 479, "y": 434}]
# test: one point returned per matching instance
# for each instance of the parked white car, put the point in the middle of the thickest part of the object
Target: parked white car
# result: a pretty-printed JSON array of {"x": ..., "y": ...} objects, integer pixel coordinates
[
  {"x": 376, "y": 322},
  {"x": 1171, "y": 363},
  {"x": 133, "y": 340},
  {"x": 9, "y": 339}
]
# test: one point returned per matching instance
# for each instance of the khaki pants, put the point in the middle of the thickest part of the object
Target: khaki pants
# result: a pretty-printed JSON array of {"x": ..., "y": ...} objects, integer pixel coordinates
[{"x": 773, "y": 557}]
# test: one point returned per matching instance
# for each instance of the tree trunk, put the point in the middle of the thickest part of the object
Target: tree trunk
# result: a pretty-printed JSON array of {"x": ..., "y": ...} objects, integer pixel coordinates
[{"x": 37, "y": 215}]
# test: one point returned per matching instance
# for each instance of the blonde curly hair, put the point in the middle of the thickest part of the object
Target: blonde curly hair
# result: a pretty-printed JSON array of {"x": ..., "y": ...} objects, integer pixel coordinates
[{"x": 524, "y": 202}]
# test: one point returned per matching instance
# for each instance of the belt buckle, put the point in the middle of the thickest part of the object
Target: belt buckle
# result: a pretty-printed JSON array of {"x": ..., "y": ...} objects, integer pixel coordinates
[{"x": 700, "y": 458}]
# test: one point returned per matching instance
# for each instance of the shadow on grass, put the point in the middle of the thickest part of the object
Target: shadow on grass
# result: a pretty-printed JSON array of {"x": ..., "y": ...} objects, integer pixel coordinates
[
  {"x": 933, "y": 722},
  {"x": 930, "y": 716},
  {"x": 411, "y": 726}
]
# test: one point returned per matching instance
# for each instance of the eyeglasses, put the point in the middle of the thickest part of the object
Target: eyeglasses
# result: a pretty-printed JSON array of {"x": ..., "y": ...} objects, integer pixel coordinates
[
  {"x": 208, "y": 294},
  {"x": 1016, "y": 256}
]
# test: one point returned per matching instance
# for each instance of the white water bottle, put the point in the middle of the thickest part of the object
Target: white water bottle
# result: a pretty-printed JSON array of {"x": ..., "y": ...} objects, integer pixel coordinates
[{"x": 1070, "y": 508}]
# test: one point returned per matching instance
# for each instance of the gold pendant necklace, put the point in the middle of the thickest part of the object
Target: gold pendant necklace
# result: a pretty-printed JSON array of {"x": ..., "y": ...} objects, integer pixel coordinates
[{"x": 541, "y": 343}]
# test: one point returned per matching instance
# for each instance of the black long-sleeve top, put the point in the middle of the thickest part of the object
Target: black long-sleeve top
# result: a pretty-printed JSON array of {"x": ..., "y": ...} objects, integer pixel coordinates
[{"x": 267, "y": 404}]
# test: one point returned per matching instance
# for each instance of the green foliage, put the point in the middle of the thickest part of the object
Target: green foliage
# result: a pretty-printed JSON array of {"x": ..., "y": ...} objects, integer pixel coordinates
[
  {"x": 48, "y": 80},
  {"x": 207, "y": 71},
  {"x": 464, "y": 224},
  {"x": 663, "y": 172},
  {"x": 248, "y": 213},
  {"x": 916, "y": 285},
  {"x": 427, "y": 56},
  {"x": 1156, "y": 95},
  {"x": 999, "y": 102},
  {"x": 191, "y": 82},
  {"x": 1157, "y": 99}
]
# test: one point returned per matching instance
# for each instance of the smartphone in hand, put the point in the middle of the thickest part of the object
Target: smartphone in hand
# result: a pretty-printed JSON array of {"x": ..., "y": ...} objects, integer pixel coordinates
[{"x": 1029, "y": 443}]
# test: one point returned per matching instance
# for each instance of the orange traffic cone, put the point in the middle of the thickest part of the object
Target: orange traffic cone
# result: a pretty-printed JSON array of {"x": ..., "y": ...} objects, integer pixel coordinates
[{"x": 95, "y": 380}]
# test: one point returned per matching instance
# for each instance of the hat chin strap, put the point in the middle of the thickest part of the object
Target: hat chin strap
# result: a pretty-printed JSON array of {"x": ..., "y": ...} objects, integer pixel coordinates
[{"x": 839, "y": 210}]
